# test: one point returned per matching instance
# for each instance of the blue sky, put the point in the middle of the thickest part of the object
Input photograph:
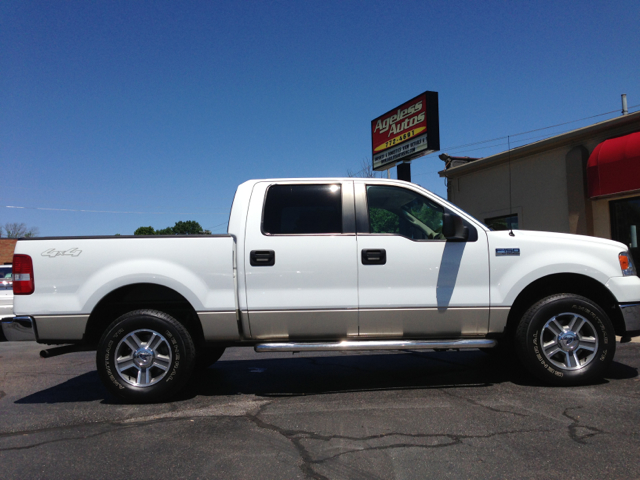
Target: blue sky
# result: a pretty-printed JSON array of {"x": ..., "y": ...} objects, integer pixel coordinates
[{"x": 165, "y": 107}]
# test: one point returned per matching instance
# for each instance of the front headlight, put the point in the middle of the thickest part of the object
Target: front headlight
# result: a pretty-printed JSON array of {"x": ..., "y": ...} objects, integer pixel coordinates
[{"x": 626, "y": 264}]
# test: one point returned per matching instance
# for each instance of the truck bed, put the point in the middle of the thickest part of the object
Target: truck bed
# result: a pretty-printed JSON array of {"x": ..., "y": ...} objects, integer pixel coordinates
[{"x": 200, "y": 268}]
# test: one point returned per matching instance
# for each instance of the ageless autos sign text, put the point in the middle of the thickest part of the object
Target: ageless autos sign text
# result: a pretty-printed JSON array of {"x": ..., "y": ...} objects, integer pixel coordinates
[{"x": 406, "y": 132}]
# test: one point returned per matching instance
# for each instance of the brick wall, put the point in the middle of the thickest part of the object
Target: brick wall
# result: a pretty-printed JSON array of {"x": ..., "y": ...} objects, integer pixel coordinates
[{"x": 7, "y": 246}]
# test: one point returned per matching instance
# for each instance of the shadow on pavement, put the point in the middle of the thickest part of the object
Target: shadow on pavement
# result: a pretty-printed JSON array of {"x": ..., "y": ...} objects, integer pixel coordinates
[
  {"x": 620, "y": 371},
  {"x": 362, "y": 373},
  {"x": 306, "y": 375},
  {"x": 83, "y": 388},
  {"x": 349, "y": 373}
]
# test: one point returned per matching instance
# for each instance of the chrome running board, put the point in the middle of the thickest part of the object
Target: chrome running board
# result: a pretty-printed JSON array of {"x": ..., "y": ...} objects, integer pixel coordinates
[{"x": 375, "y": 345}]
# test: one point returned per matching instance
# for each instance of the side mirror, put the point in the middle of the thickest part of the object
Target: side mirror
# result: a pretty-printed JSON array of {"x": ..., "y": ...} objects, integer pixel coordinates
[{"x": 453, "y": 229}]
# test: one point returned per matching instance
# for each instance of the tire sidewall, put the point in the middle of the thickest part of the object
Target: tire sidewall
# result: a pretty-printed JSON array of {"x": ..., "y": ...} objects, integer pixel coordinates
[
  {"x": 530, "y": 350},
  {"x": 182, "y": 351}
]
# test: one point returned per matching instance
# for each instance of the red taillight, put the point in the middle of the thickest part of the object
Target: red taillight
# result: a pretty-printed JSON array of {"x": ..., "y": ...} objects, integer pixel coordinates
[{"x": 22, "y": 275}]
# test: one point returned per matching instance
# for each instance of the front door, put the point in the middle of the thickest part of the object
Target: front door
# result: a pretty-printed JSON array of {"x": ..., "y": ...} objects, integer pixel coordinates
[
  {"x": 300, "y": 261},
  {"x": 413, "y": 283}
]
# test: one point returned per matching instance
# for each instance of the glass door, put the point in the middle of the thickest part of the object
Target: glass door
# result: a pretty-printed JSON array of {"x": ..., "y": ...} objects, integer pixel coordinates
[{"x": 625, "y": 224}]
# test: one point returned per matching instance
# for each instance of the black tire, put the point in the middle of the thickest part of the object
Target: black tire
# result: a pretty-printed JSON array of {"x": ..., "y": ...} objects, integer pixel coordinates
[
  {"x": 158, "y": 367},
  {"x": 207, "y": 356},
  {"x": 566, "y": 339}
]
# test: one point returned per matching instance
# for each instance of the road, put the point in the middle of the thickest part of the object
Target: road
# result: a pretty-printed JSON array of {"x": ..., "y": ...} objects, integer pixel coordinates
[{"x": 401, "y": 415}]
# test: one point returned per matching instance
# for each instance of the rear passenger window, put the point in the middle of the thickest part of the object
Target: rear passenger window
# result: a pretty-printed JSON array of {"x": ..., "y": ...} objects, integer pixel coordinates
[{"x": 302, "y": 209}]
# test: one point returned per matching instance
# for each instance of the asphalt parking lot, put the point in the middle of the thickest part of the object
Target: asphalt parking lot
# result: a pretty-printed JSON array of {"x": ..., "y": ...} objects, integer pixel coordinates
[{"x": 359, "y": 415}]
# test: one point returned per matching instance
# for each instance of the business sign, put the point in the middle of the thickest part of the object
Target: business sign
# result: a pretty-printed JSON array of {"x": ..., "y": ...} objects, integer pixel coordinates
[{"x": 406, "y": 132}]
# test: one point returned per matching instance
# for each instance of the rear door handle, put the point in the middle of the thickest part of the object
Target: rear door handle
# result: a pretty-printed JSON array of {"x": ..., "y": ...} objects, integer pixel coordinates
[
  {"x": 374, "y": 256},
  {"x": 262, "y": 258}
]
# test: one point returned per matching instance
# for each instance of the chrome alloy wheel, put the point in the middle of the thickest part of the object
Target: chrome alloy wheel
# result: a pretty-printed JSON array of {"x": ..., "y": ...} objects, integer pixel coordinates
[
  {"x": 143, "y": 358},
  {"x": 569, "y": 341}
]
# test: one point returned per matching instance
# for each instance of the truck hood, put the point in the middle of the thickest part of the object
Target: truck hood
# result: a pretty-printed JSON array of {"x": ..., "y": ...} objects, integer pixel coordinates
[{"x": 527, "y": 236}]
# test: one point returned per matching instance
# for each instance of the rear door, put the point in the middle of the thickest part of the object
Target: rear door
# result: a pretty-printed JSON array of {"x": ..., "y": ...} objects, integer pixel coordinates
[{"x": 300, "y": 261}]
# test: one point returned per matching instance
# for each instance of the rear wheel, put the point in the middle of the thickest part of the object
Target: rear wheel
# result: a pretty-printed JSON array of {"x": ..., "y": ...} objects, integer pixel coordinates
[
  {"x": 566, "y": 340},
  {"x": 145, "y": 356}
]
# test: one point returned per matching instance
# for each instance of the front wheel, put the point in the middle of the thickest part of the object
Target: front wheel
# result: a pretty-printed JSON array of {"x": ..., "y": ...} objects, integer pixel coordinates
[
  {"x": 566, "y": 340},
  {"x": 145, "y": 356}
]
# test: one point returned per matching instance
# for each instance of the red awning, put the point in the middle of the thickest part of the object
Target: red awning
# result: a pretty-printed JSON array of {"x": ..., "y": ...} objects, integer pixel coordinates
[{"x": 614, "y": 166}]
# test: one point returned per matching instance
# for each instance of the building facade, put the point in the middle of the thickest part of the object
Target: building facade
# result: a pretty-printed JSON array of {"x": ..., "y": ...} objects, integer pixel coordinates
[{"x": 7, "y": 246}]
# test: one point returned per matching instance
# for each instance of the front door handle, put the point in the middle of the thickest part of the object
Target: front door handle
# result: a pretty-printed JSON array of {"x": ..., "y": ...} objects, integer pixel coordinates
[
  {"x": 374, "y": 256},
  {"x": 262, "y": 258}
]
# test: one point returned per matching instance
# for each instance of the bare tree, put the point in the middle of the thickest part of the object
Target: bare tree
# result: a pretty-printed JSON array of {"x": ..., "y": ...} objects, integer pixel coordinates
[
  {"x": 366, "y": 171},
  {"x": 17, "y": 230}
]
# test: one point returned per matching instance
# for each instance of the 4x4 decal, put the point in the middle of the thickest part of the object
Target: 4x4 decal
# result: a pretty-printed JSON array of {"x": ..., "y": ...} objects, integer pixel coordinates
[{"x": 52, "y": 252}]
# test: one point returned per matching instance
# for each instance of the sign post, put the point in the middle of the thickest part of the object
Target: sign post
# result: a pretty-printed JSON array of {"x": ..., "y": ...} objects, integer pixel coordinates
[{"x": 405, "y": 133}]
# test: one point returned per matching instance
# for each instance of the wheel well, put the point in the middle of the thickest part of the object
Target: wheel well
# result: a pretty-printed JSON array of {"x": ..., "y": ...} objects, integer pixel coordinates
[
  {"x": 142, "y": 296},
  {"x": 565, "y": 283}
]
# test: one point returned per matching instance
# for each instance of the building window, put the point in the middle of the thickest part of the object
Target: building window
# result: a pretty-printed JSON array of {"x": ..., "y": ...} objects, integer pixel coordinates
[
  {"x": 303, "y": 209},
  {"x": 625, "y": 224},
  {"x": 505, "y": 222}
]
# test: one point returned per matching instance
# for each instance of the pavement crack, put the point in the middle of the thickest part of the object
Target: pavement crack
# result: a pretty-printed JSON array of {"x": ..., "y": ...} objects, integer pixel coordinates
[
  {"x": 109, "y": 427},
  {"x": 297, "y": 437},
  {"x": 452, "y": 440},
  {"x": 58, "y": 440},
  {"x": 575, "y": 426},
  {"x": 478, "y": 404}
]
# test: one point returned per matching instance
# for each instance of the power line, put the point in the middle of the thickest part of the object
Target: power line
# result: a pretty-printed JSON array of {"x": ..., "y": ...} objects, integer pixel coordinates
[
  {"x": 219, "y": 225},
  {"x": 531, "y": 131},
  {"x": 505, "y": 142},
  {"x": 535, "y": 137},
  {"x": 111, "y": 211},
  {"x": 505, "y": 137}
]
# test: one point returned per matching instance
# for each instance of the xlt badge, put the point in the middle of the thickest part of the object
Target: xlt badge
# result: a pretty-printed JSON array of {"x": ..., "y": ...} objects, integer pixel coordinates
[{"x": 501, "y": 252}]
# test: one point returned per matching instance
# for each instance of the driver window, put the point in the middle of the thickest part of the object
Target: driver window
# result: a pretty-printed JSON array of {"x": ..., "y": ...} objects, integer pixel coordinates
[{"x": 398, "y": 211}]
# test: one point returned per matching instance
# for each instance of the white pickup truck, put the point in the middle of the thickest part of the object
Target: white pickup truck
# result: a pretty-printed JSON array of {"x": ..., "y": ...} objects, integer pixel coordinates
[{"x": 321, "y": 265}]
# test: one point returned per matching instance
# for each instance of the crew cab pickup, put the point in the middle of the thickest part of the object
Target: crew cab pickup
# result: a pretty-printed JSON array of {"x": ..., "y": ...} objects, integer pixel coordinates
[{"x": 322, "y": 265}]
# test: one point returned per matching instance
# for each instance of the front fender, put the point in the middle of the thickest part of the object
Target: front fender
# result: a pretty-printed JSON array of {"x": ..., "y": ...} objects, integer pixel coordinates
[{"x": 542, "y": 255}]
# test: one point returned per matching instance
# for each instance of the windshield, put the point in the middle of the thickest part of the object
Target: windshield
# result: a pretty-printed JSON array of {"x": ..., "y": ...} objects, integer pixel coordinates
[{"x": 488, "y": 227}]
